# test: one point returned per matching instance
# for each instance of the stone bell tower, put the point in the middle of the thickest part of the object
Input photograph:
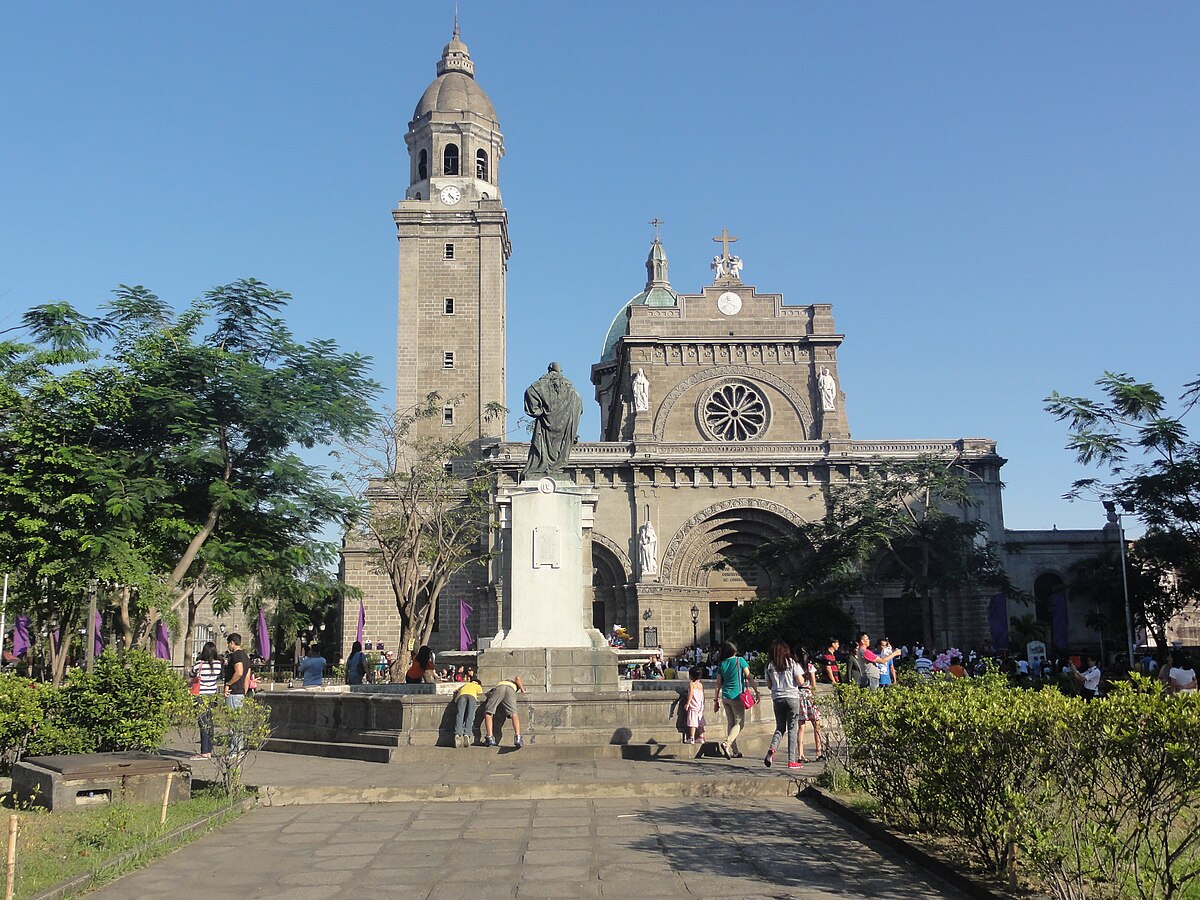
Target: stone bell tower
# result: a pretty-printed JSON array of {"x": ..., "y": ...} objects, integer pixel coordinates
[{"x": 454, "y": 249}]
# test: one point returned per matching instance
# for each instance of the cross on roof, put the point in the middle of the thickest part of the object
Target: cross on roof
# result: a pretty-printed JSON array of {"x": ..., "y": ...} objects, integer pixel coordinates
[
  {"x": 656, "y": 222},
  {"x": 725, "y": 240}
]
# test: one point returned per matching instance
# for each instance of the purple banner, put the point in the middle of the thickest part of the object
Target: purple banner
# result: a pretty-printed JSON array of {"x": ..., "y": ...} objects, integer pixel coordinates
[
  {"x": 162, "y": 641},
  {"x": 264, "y": 635},
  {"x": 21, "y": 636},
  {"x": 98, "y": 642},
  {"x": 998, "y": 621},
  {"x": 1058, "y": 620},
  {"x": 465, "y": 641},
  {"x": 362, "y": 621}
]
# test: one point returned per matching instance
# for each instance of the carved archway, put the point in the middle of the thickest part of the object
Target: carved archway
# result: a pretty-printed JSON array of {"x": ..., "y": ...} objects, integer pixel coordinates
[
  {"x": 611, "y": 576},
  {"x": 799, "y": 404},
  {"x": 620, "y": 555},
  {"x": 724, "y": 529}
]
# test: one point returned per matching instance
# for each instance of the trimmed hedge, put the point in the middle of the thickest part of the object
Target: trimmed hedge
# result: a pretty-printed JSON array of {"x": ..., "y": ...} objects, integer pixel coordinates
[{"x": 1097, "y": 799}]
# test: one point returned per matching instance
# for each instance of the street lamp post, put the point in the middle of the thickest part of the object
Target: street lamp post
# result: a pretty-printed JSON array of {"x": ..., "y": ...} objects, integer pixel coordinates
[
  {"x": 695, "y": 622},
  {"x": 1114, "y": 518}
]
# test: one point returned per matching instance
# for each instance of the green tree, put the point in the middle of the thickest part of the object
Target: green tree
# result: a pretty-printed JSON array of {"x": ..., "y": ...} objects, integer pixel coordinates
[
  {"x": 804, "y": 623},
  {"x": 1152, "y": 467},
  {"x": 143, "y": 438},
  {"x": 425, "y": 512}
]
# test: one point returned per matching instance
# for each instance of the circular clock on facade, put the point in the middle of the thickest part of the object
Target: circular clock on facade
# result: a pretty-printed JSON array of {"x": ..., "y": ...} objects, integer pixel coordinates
[
  {"x": 451, "y": 195},
  {"x": 729, "y": 303}
]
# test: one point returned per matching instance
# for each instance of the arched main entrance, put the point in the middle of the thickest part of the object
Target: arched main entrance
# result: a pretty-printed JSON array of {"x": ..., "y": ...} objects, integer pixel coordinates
[{"x": 714, "y": 552}]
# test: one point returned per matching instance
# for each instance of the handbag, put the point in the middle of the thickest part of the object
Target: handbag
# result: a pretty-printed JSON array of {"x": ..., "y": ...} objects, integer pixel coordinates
[{"x": 747, "y": 698}]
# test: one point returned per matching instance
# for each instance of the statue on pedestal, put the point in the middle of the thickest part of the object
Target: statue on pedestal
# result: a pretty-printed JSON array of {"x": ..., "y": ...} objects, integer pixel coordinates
[
  {"x": 828, "y": 389},
  {"x": 641, "y": 391},
  {"x": 648, "y": 549},
  {"x": 555, "y": 407}
]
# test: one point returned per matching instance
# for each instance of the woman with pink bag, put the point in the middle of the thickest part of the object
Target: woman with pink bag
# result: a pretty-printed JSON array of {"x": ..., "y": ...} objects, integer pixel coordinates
[{"x": 733, "y": 679}]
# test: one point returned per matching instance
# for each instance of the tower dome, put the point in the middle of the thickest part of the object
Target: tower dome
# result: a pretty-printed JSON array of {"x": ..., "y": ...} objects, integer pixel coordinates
[{"x": 455, "y": 88}]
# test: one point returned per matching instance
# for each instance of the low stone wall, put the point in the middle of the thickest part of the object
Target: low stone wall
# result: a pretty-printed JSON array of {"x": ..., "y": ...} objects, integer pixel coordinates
[{"x": 613, "y": 717}]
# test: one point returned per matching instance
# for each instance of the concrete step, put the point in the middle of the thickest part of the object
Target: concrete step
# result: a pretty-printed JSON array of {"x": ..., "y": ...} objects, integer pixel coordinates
[
  {"x": 331, "y": 749},
  {"x": 708, "y": 788}
]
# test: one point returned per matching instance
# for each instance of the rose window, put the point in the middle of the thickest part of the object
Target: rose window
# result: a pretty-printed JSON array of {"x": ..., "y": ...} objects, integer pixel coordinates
[{"x": 735, "y": 412}]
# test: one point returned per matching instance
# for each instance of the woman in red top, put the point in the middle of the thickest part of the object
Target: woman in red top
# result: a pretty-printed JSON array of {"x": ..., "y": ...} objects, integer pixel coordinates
[{"x": 421, "y": 670}]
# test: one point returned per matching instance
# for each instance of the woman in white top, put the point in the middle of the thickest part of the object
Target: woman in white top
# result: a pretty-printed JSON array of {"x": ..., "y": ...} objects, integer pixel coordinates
[
  {"x": 785, "y": 677},
  {"x": 1181, "y": 674},
  {"x": 206, "y": 676}
]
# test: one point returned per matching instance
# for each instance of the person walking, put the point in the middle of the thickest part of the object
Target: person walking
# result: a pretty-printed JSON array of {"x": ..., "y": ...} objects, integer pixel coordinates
[
  {"x": 237, "y": 671},
  {"x": 695, "y": 706},
  {"x": 237, "y": 679},
  {"x": 466, "y": 700},
  {"x": 785, "y": 678},
  {"x": 733, "y": 675},
  {"x": 312, "y": 667},
  {"x": 206, "y": 675},
  {"x": 503, "y": 698},
  {"x": 1180, "y": 675},
  {"x": 356, "y": 665}
]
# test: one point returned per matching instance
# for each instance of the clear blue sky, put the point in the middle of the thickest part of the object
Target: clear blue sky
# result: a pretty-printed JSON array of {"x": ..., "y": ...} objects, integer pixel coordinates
[{"x": 998, "y": 200}]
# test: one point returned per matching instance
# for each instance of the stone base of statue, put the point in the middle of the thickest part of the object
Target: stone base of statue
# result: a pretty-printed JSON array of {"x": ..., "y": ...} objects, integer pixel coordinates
[{"x": 543, "y": 637}]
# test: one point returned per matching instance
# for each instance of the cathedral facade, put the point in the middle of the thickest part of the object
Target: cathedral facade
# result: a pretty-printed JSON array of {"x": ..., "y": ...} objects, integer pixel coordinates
[{"x": 722, "y": 419}]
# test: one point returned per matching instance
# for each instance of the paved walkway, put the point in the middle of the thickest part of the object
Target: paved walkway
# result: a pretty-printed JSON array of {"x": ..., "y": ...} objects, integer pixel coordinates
[{"x": 545, "y": 848}]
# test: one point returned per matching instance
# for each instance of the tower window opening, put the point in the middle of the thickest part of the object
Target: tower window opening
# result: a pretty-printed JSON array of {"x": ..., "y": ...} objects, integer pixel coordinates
[
  {"x": 448, "y": 251},
  {"x": 450, "y": 160},
  {"x": 481, "y": 165},
  {"x": 423, "y": 166},
  {"x": 448, "y": 414},
  {"x": 448, "y": 359},
  {"x": 447, "y": 306}
]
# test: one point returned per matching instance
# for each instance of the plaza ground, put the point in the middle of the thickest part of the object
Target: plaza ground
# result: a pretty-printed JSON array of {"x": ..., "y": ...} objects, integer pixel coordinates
[
  {"x": 540, "y": 822},
  {"x": 622, "y": 847}
]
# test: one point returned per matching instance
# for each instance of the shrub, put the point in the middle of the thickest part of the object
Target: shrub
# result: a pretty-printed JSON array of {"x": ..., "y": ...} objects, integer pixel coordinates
[
  {"x": 238, "y": 731},
  {"x": 125, "y": 704},
  {"x": 21, "y": 716},
  {"x": 1102, "y": 799}
]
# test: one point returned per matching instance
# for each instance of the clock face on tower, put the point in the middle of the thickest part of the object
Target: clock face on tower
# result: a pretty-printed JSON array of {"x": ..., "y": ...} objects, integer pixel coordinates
[
  {"x": 451, "y": 195},
  {"x": 729, "y": 303}
]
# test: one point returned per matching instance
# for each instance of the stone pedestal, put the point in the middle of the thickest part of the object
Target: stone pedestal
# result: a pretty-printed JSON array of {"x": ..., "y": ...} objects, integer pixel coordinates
[
  {"x": 552, "y": 669},
  {"x": 545, "y": 532}
]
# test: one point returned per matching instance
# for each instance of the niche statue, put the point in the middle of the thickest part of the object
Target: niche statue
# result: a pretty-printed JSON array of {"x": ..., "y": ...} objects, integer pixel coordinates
[{"x": 554, "y": 405}]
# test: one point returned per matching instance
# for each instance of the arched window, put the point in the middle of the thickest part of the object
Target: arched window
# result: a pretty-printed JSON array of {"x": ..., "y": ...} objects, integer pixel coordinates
[
  {"x": 481, "y": 166},
  {"x": 450, "y": 160},
  {"x": 423, "y": 166}
]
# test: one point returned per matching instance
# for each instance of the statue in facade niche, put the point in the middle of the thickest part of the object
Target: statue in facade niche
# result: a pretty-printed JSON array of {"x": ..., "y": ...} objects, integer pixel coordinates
[
  {"x": 555, "y": 407},
  {"x": 641, "y": 391},
  {"x": 648, "y": 549},
  {"x": 828, "y": 389}
]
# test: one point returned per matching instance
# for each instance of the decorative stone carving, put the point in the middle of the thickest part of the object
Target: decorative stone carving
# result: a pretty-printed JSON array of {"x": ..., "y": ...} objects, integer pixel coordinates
[
  {"x": 734, "y": 411},
  {"x": 752, "y": 375},
  {"x": 648, "y": 549},
  {"x": 719, "y": 268},
  {"x": 828, "y": 390},
  {"x": 641, "y": 392},
  {"x": 621, "y": 556},
  {"x": 735, "y": 267},
  {"x": 677, "y": 542}
]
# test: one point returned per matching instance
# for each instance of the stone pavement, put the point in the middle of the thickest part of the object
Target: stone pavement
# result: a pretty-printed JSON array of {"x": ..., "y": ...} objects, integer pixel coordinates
[{"x": 766, "y": 847}]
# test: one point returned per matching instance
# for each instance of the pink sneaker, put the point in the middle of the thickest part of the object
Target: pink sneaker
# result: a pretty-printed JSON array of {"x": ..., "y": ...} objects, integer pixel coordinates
[{"x": 795, "y": 765}]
